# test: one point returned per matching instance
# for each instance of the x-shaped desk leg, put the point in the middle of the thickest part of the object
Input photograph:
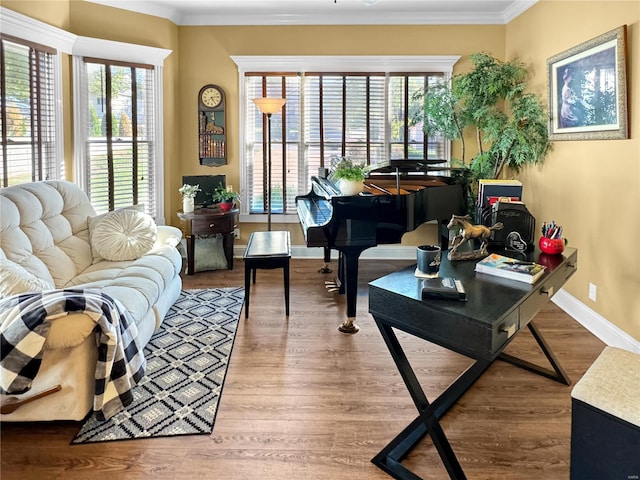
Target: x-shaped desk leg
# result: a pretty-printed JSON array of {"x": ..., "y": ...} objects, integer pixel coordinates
[{"x": 427, "y": 422}]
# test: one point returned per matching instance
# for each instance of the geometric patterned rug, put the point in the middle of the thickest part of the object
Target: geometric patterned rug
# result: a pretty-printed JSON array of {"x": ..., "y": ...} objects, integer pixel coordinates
[{"x": 187, "y": 362}]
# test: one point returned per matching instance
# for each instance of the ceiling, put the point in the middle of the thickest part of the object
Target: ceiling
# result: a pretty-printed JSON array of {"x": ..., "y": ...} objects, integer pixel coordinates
[{"x": 327, "y": 12}]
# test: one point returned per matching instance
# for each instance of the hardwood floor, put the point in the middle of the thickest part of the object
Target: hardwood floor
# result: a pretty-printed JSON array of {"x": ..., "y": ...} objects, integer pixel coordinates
[{"x": 304, "y": 401}]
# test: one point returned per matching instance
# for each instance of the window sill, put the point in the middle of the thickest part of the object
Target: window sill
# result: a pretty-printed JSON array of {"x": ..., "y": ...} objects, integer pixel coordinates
[{"x": 262, "y": 218}]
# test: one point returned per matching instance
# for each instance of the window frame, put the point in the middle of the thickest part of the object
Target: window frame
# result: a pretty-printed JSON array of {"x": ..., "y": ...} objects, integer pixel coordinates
[
  {"x": 34, "y": 31},
  {"x": 337, "y": 64},
  {"x": 127, "y": 53}
]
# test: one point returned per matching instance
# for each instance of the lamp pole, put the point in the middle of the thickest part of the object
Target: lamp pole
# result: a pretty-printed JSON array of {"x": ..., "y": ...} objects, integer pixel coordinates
[{"x": 269, "y": 106}]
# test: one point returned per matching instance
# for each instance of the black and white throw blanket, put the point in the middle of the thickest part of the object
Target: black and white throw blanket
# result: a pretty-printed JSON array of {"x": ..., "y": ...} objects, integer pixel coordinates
[{"x": 25, "y": 321}]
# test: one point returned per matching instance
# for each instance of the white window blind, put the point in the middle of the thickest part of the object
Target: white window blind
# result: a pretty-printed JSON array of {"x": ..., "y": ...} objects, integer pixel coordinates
[
  {"x": 364, "y": 116},
  {"x": 118, "y": 127},
  {"x": 28, "y": 112}
]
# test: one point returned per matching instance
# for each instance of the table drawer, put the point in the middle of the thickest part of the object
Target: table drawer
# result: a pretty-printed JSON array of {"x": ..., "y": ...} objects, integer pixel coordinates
[
  {"x": 548, "y": 287},
  {"x": 203, "y": 226}
]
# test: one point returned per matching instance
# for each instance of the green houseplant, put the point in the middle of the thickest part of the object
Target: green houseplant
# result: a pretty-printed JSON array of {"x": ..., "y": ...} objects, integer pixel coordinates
[
  {"x": 226, "y": 198},
  {"x": 510, "y": 125},
  {"x": 349, "y": 175}
]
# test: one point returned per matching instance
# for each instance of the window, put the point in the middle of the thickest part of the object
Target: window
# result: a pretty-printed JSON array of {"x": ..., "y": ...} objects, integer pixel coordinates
[
  {"x": 365, "y": 115},
  {"x": 118, "y": 125},
  {"x": 119, "y": 133},
  {"x": 30, "y": 94}
]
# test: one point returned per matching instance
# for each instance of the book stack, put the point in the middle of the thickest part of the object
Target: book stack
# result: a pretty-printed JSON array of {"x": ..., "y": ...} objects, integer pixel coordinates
[
  {"x": 511, "y": 268},
  {"x": 491, "y": 190}
]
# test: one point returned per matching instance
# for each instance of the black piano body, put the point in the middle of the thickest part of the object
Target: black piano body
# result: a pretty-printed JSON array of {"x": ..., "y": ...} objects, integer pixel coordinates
[{"x": 392, "y": 204}]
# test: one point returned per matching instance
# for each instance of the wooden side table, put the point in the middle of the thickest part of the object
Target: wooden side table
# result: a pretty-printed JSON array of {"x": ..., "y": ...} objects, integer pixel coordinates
[{"x": 208, "y": 221}]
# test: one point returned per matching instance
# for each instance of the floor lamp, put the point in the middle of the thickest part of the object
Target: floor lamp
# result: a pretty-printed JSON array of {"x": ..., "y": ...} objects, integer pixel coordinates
[{"x": 269, "y": 106}]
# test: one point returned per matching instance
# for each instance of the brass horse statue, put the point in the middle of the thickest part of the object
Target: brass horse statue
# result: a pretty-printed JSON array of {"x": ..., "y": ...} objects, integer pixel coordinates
[{"x": 470, "y": 232}]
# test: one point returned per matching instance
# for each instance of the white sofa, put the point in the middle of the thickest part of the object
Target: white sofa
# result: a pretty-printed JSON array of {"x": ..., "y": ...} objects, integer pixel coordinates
[{"x": 44, "y": 229}]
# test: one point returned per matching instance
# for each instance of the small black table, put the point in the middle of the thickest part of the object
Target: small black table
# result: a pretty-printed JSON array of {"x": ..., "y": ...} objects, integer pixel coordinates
[{"x": 496, "y": 310}]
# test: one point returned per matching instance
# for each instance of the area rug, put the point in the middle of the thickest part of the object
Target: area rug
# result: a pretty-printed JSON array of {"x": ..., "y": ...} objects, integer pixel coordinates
[{"x": 187, "y": 362}]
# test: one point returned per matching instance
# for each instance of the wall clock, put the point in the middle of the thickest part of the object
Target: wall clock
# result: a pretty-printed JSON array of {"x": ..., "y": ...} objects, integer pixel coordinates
[{"x": 212, "y": 131}]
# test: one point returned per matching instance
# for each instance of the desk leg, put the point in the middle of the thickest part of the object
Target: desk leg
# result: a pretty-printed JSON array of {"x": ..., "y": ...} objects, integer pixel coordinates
[
  {"x": 558, "y": 374},
  {"x": 191, "y": 240},
  {"x": 390, "y": 458}
]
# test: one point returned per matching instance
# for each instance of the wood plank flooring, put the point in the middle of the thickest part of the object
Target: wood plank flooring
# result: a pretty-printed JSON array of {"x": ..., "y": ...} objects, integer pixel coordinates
[{"x": 304, "y": 401}]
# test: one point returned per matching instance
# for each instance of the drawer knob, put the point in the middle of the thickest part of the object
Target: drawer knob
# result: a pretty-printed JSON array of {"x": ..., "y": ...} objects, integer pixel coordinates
[
  {"x": 547, "y": 290},
  {"x": 212, "y": 225}
]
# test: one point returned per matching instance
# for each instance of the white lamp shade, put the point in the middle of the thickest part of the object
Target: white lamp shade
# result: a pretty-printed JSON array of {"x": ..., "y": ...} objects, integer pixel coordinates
[{"x": 269, "y": 105}]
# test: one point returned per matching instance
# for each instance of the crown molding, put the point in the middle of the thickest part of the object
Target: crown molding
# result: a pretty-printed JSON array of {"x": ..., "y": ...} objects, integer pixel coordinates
[
  {"x": 341, "y": 63},
  {"x": 209, "y": 13},
  {"x": 32, "y": 30}
]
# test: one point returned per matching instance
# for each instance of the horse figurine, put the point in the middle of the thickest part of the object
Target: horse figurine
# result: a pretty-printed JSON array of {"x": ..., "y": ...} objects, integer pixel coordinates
[{"x": 470, "y": 232}]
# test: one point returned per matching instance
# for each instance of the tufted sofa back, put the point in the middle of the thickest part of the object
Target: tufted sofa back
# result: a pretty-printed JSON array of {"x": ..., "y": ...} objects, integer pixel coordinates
[{"x": 43, "y": 228}]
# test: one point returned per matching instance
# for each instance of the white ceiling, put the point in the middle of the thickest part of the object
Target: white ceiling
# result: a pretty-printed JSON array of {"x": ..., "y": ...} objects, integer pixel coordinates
[{"x": 327, "y": 12}]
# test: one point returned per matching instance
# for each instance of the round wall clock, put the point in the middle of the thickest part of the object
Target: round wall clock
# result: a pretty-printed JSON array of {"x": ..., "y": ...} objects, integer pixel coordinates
[{"x": 211, "y": 96}]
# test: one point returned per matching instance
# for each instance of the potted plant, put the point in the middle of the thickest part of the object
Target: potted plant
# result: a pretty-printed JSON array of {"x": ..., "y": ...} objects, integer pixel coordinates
[
  {"x": 510, "y": 125},
  {"x": 225, "y": 197},
  {"x": 188, "y": 195},
  {"x": 350, "y": 176}
]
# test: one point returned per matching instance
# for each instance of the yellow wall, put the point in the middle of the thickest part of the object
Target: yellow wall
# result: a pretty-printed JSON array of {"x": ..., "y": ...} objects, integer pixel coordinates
[
  {"x": 590, "y": 187},
  {"x": 205, "y": 58}
]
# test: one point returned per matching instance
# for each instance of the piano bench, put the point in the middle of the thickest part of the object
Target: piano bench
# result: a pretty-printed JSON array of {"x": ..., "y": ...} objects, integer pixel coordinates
[
  {"x": 605, "y": 418},
  {"x": 267, "y": 250}
]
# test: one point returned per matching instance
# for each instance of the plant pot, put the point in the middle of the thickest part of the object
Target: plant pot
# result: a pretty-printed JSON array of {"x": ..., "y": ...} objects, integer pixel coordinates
[
  {"x": 350, "y": 187},
  {"x": 188, "y": 205},
  {"x": 226, "y": 206}
]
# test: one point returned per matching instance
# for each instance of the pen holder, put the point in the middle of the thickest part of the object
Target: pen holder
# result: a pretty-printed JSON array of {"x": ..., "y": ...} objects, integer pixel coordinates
[{"x": 553, "y": 246}]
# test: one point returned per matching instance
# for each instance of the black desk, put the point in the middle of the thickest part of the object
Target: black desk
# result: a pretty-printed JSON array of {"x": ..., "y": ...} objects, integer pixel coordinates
[{"x": 496, "y": 310}]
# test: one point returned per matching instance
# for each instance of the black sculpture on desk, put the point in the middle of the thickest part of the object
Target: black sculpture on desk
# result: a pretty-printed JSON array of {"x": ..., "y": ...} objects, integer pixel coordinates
[{"x": 469, "y": 232}]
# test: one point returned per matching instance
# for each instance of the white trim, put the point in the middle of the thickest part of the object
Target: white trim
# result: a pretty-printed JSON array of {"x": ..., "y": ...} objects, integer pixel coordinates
[
  {"x": 124, "y": 52},
  {"x": 79, "y": 163},
  {"x": 33, "y": 30},
  {"x": 158, "y": 145},
  {"x": 322, "y": 63},
  {"x": 341, "y": 63},
  {"x": 292, "y": 14},
  {"x": 595, "y": 323}
]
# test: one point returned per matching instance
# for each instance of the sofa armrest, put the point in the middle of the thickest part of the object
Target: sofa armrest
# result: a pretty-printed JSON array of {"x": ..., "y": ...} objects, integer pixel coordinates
[{"x": 168, "y": 235}]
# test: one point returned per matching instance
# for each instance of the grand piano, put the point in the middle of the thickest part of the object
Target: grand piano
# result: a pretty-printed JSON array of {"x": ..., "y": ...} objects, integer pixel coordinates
[{"x": 398, "y": 198}]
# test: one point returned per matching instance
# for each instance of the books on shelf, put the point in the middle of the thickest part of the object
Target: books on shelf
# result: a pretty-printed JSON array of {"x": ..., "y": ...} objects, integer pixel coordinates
[{"x": 511, "y": 268}]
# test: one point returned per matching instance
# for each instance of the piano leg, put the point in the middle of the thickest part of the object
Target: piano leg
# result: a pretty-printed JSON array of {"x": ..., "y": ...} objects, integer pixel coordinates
[
  {"x": 349, "y": 279},
  {"x": 327, "y": 260}
]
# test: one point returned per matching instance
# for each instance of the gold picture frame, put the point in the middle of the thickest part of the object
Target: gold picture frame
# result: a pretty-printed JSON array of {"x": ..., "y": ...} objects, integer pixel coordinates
[{"x": 588, "y": 90}]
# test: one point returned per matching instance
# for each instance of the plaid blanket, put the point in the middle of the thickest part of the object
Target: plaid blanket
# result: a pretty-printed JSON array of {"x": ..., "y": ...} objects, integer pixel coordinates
[{"x": 25, "y": 321}]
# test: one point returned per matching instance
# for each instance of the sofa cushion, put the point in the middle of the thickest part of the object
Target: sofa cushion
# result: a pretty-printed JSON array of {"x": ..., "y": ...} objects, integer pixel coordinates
[
  {"x": 15, "y": 279},
  {"x": 124, "y": 235},
  {"x": 138, "y": 284},
  {"x": 43, "y": 228}
]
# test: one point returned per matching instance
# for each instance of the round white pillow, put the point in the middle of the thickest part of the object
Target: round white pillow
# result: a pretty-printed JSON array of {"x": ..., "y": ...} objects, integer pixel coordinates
[{"x": 124, "y": 235}]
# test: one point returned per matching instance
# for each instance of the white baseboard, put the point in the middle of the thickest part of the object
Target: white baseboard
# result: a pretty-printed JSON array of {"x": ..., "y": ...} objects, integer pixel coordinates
[
  {"x": 592, "y": 321},
  {"x": 595, "y": 323}
]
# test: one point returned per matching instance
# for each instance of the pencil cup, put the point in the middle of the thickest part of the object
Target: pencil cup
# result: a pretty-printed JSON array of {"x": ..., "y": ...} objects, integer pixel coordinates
[
  {"x": 553, "y": 246},
  {"x": 428, "y": 257}
]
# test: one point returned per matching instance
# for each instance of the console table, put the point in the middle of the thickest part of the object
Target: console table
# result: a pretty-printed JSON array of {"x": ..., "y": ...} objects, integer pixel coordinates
[
  {"x": 496, "y": 310},
  {"x": 208, "y": 221}
]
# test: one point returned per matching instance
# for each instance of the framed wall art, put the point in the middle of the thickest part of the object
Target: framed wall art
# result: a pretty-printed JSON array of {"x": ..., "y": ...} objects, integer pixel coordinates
[{"x": 588, "y": 90}]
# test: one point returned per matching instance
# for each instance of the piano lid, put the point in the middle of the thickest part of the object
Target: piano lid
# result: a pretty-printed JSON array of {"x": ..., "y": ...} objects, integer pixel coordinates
[{"x": 408, "y": 165}]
